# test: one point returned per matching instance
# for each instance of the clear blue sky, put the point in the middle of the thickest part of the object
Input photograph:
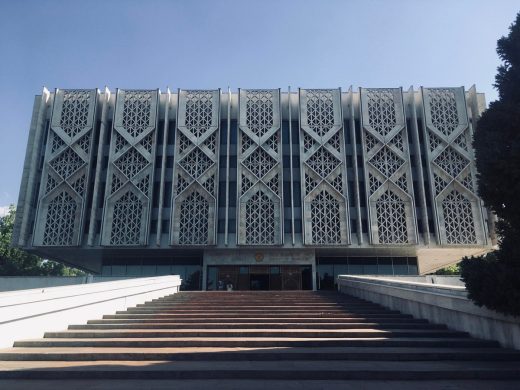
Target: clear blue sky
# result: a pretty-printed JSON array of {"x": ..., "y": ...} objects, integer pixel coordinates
[{"x": 210, "y": 44}]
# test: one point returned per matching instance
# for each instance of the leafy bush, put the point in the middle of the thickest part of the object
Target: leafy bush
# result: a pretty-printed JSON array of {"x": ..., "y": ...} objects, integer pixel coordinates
[
  {"x": 453, "y": 269},
  {"x": 16, "y": 262}
]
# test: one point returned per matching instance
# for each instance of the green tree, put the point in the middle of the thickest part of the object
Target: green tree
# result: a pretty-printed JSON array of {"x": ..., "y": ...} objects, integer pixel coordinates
[
  {"x": 16, "y": 262},
  {"x": 494, "y": 280},
  {"x": 453, "y": 269}
]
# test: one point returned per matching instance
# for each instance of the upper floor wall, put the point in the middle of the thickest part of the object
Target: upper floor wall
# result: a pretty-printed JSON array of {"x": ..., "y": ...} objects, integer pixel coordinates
[{"x": 317, "y": 168}]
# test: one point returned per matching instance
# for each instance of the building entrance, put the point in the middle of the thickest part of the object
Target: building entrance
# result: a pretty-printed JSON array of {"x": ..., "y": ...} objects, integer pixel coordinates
[{"x": 259, "y": 277}]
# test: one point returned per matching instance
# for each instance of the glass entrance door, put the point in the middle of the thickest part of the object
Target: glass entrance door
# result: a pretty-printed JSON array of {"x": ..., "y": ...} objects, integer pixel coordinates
[
  {"x": 259, "y": 277},
  {"x": 291, "y": 278}
]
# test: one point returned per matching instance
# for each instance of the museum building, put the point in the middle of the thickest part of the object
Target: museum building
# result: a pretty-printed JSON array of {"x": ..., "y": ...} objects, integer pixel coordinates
[{"x": 259, "y": 188}]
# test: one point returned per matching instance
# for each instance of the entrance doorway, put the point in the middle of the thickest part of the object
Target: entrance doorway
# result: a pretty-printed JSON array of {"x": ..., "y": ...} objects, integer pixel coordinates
[{"x": 260, "y": 277}]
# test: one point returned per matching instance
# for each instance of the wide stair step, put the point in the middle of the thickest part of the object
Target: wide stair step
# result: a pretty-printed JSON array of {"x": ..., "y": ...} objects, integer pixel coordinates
[
  {"x": 252, "y": 325},
  {"x": 262, "y": 353},
  {"x": 258, "y": 335},
  {"x": 190, "y": 342},
  {"x": 260, "y": 370},
  {"x": 292, "y": 333}
]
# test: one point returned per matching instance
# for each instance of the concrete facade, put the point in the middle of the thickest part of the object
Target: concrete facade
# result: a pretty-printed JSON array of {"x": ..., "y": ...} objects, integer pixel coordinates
[{"x": 252, "y": 177}]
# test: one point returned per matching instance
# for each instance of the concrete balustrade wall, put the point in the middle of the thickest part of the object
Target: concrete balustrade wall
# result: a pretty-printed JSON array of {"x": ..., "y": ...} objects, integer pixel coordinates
[
  {"x": 11, "y": 283},
  {"x": 29, "y": 313},
  {"x": 440, "y": 304},
  {"x": 447, "y": 280}
]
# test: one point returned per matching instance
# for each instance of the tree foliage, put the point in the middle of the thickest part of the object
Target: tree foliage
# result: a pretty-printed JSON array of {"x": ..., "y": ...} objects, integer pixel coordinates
[
  {"x": 492, "y": 283},
  {"x": 494, "y": 280},
  {"x": 16, "y": 262},
  {"x": 453, "y": 269}
]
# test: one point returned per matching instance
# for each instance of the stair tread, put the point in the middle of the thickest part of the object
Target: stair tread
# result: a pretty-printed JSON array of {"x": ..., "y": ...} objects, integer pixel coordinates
[
  {"x": 309, "y": 365},
  {"x": 174, "y": 331},
  {"x": 48, "y": 340},
  {"x": 270, "y": 350},
  {"x": 238, "y": 315},
  {"x": 263, "y": 319},
  {"x": 307, "y": 326},
  {"x": 258, "y": 335}
]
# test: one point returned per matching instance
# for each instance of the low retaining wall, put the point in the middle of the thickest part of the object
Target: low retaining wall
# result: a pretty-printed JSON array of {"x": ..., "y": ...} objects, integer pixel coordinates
[
  {"x": 29, "y": 313},
  {"x": 12, "y": 283},
  {"x": 440, "y": 304},
  {"x": 447, "y": 280}
]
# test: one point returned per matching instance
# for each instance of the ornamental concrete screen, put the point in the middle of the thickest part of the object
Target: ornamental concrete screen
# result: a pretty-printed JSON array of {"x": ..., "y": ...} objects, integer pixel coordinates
[{"x": 314, "y": 181}]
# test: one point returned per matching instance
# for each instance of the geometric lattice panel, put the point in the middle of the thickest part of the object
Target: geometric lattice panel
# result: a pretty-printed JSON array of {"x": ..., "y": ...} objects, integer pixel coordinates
[
  {"x": 323, "y": 162},
  {"x": 195, "y": 176},
  {"x": 458, "y": 219},
  {"x": 382, "y": 115},
  {"x": 199, "y": 111},
  {"x": 131, "y": 163},
  {"x": 326, "y": 219},
  {"x": 194, "y": 218},
  {"x": 137, "y": 110},
  {"x": 66, "y": 169},
  {"x": 388, "y": 176},
  {"x": 196, "y": 163},
  {"x": 259, "y": 168},
  {"x": 323, "y": 168},
  {"x": 126, "y": 228},
  {"x": 451, "y": 162},
  {"x": 128, "y": 191},
  {"x": 260, "y": 223},
  {"x": 59, "y": 226},
  {"x": 67, "y": 163},
  {"x": 391, "y": 219},
  {"x": 320, "y": 110},
  {"x": 443, "y": 110},
  {"x": 259, "y": 111},
  {"x": 451, "y": 168},
  {"x": 75, "y": 111},
  {"x": 386, "y": 161},
  {"x": 259, "y": 162}
]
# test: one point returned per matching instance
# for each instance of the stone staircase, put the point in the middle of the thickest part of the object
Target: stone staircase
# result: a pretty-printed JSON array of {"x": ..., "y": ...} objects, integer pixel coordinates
[{"x": 299, "y": 335}]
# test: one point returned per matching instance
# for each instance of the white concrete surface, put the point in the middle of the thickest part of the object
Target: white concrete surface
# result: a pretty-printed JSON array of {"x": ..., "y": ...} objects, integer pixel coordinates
[
  {"x": 438, "y": 303},
  {"x": 29, "y": 313},
  {"x": 448, "y": 280},
  {"x": 11, "y": 283},
  {"x": 433, "y": 279}
]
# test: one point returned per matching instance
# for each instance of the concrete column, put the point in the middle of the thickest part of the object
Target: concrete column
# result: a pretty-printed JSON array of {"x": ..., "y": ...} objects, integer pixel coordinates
[
  {"x": 28, "y": 208},
  {"x": 352, "y": 125},
  {"x": 163, "y": 167},
  {"x": 418, "y": 163},
  {"x": 227, "y": 168},
  {"x": 314, "y": 275},
  {"x": 291, "y": 162},
  {"x": 204, "y": 272},
  {"x": 99, "y": 167},
  {"x": 23, "y": 200}
]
